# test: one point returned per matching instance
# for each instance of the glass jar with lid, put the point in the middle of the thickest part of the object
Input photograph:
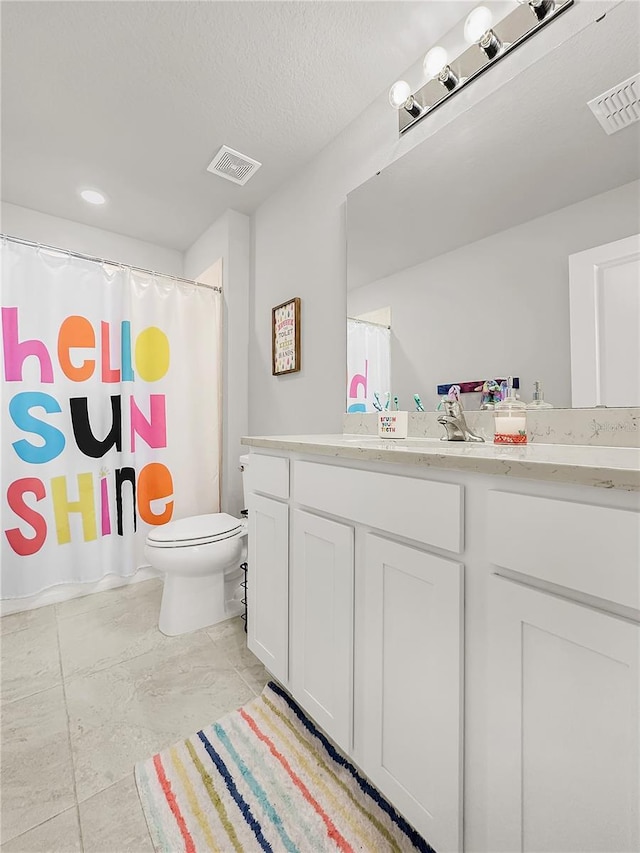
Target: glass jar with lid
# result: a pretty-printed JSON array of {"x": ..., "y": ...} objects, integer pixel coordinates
[{"x": 510, "y": 419}]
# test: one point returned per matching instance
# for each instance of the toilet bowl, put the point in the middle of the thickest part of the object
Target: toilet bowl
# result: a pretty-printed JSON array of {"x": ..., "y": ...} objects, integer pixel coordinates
[{"x": 200, "y": 558}]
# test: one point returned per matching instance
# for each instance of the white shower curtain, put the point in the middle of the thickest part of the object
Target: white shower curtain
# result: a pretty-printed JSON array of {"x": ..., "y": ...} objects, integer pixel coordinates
[
  {"x": 368, "y": 364},
  {"x": 110, "y": 414}
]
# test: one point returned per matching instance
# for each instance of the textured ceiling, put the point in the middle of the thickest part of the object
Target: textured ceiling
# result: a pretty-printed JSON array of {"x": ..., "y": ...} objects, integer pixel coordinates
[{"x": 134, "y": 98}]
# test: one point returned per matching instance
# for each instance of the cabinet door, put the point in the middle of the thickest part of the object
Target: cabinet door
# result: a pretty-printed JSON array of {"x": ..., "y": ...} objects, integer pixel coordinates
[
  {"x": 409, "y": 713},
  {"x": 268, "y": 584},
  {"x": 563, "y": 725},
  {"x": 322, "y": 622}
]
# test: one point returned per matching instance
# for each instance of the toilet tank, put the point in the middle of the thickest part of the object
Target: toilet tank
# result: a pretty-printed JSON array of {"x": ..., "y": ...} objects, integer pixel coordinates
[{"x": 244, "y": 464}]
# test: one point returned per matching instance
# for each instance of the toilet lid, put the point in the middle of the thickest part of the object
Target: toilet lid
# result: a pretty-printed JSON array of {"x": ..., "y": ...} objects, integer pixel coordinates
[{"x": 196, "y": 530}]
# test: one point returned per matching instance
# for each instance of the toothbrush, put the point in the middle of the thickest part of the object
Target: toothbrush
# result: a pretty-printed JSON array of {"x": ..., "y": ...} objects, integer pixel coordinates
[
  {"x": 387, "y": 400},
  {"x": 395, "y": 403},
  {"x": 418, "y": 402},
  {"x": 376, "y": 401}
]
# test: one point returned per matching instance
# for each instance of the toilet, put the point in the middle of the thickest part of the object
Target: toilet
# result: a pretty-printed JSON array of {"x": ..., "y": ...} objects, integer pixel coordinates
[{"x": 200, "y": 558}]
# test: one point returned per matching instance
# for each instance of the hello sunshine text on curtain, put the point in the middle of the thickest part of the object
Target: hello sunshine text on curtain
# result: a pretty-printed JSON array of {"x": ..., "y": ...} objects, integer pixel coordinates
[{"x": 110, "y": 414}]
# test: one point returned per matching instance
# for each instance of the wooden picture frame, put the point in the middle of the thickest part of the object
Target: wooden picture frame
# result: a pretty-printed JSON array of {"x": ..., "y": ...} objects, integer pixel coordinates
[{"x": 285, "y": 337}]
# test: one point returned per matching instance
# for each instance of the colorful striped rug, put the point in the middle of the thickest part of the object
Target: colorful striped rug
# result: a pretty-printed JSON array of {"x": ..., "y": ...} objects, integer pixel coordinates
[{"x": 265, "y": 778}]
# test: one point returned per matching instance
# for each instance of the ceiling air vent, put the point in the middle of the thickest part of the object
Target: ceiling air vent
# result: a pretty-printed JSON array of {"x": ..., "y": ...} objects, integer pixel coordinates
[
  {"x": 619, "y": 107},
  {"x": 233, "y": 166}
]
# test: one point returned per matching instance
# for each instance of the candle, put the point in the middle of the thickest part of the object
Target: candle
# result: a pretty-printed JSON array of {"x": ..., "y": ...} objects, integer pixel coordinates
[{"x": 506, "y": 425}]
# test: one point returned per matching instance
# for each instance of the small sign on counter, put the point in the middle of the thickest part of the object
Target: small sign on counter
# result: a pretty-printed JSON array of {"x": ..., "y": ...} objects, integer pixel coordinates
[{"x": 393, "y": 424}]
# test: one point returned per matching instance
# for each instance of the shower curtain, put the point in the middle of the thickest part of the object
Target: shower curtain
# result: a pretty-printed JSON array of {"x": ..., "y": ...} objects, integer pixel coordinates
[
  {"x": 368, "y": 363},
  {"x": 110, "y": 414}
]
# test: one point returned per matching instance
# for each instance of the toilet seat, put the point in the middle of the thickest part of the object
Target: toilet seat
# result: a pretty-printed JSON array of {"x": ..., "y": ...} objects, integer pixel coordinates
[{"x": 196, "y": 530}]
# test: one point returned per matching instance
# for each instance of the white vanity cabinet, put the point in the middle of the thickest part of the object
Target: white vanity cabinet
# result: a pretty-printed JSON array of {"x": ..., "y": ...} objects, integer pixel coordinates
[
  {"x": 564, "y": 740},
  {"x": 321, "y": 621},
  {"x": 470, "y": 640},
  {"x": 409, "y": 706}
]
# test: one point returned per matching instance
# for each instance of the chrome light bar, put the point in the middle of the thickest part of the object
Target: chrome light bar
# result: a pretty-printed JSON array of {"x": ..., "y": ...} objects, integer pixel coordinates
[{"x": 518, "y": 26}]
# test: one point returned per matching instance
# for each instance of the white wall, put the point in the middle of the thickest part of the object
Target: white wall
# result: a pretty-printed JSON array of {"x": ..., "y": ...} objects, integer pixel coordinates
[
  {"x": 299, "y": 244},
  {"x": 229, "y": 238},
  {"x": 511, "y": 293},
  {"x": 65, "y": 234}
]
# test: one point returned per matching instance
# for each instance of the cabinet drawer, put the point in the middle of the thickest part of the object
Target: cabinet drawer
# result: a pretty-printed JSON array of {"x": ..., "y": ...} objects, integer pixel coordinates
[
  {"x": 591, "y": 549},
  {"x": 422, "y": 510},
  {"x": 269, "y": 475}
]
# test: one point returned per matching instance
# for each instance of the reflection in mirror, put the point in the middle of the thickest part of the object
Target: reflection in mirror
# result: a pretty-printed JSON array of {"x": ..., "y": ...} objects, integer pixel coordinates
[
  {"x": 369, "y": 359},
  {"x": 468, "y": 239}
]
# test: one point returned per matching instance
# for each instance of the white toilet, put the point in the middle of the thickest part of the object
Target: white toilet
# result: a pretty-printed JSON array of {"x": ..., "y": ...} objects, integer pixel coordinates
[{"x": 200, "y": 557}]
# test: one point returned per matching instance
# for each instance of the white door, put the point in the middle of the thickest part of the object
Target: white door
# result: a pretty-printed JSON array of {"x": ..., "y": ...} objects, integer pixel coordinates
[
  {"x": 322, "y": 622},
  {"x": 409, "y": 707},
  {"x": 604, "y": 295},
  {"x": 564, "y": 730},
  {"x": 268, "y": 584}
]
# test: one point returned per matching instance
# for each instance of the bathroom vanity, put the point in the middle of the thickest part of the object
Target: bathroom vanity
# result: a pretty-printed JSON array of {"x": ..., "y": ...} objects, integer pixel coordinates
[{"x": 464, "y": 622}]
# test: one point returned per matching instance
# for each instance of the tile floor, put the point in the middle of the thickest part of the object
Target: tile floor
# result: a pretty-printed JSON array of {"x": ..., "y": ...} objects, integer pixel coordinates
[{"x": 88, "y": 688}]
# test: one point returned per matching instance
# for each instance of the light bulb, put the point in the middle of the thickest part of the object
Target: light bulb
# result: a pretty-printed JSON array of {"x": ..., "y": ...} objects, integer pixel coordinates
[
  {"x": 477, "y": 24},
  {"x": 93, "y": 196},
  {"x": 399, "y": 94},
  {"x": 435, "y": 61}
]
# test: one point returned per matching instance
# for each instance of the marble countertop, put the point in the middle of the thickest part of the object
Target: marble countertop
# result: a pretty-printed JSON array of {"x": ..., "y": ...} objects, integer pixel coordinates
[{"x": 604, "y": 467}]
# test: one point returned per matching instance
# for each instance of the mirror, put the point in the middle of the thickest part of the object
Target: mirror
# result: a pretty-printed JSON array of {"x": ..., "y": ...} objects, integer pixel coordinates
[{"x": 465, "y": 241}]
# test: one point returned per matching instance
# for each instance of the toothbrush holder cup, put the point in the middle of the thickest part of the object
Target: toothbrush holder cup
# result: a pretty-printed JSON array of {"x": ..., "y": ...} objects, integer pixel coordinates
[{"x": 393, "y": 424}]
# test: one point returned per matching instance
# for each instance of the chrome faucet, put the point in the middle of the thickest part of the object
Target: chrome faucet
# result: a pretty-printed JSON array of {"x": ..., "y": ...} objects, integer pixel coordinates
[{"x": 455, "y": 423}]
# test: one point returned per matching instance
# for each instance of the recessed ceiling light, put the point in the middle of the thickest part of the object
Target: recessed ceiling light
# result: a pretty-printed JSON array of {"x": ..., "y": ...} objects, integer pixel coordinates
[{"x": 93, "y": 196}]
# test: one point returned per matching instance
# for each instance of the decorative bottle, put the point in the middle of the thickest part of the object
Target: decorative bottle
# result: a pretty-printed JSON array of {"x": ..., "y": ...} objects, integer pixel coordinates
[{"x": 510, "y": 419}]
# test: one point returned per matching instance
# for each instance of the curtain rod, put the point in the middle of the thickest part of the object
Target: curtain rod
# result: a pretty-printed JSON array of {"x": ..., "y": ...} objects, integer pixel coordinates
[
  {"x": 82, "y": 257},
  {"x": 369, "y": 322}
]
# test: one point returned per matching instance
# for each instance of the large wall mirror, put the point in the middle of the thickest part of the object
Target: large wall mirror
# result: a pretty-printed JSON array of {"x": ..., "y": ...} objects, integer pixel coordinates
[{"x": 459, "y": 252}]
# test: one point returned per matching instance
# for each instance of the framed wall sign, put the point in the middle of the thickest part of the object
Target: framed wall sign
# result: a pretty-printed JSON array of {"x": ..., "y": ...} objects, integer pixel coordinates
[{"x": 285, "y": 337}]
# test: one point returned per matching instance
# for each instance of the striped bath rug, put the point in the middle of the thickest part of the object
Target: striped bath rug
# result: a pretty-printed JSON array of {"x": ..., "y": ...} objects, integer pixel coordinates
[{"x": 265, "y": 778}]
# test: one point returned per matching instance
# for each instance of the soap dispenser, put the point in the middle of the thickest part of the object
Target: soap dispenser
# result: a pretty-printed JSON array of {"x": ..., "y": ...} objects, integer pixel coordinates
[
  {"x": 538, "y": 401},
  {"x": 510, "y": 419}
]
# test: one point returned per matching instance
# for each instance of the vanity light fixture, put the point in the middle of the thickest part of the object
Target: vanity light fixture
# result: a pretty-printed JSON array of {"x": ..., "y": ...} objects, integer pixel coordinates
[{"x": 489, "y": 41}]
